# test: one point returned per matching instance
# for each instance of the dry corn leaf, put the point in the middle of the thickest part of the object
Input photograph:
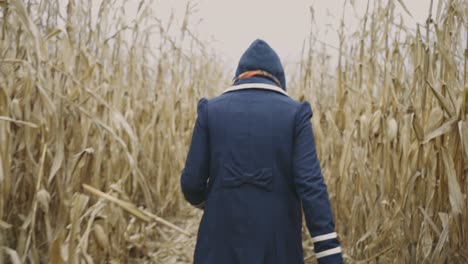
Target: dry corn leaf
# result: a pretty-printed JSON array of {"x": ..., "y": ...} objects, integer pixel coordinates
[
  {"x": 43, "y": 197},
  {"x": 58, "y": 157},
  {"x": 101, "y": 236},
  {"x": 436, "y": 118},
  {"x": 78, "y": 205},
  {"x": 132, "y": 209},
  {"x": 16, "y": 109},
  {"x": 417, "y": 128},
  {"x": 4, "y": 225},
  {"x": 14, "y": 258},
  {"x": 456, "y": 197},
  {"x": 53, "y": 34},
  {"x": 463, "y": 130},
  {"x": 446, "y": 104},
  {"x": 55, "y": 250},
  {"x": 426, "y": 242},
  {"x": 18, "y": 122},
  {"x": 443, "y": 237},
  {"x": 375, "y": 123},
  {"x": 443, "y": 129},
  {"x": 36, "y": 37},
  {"x": 392, "y": 129}
]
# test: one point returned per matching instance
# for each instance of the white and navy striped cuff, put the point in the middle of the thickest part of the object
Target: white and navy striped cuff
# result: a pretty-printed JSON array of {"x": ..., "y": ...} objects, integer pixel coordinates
[
  {"x": 328, "y": 252},
  {"x": 326, "y": 245},
  {"x": 325, "y": 237}
]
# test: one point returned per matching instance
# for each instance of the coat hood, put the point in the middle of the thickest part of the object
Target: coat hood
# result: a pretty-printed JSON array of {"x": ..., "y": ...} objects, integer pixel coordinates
[{"x": 260, "y": 56}]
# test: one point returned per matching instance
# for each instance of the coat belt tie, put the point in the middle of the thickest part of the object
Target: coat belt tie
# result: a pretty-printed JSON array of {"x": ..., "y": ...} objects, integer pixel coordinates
[{"x": 261, "y": 178}]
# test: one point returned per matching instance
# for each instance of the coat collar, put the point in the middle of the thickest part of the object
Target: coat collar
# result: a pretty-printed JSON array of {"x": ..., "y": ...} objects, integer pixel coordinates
[
  {"x": 255, "y": 79},
  {"x": 255, "y": 83}
]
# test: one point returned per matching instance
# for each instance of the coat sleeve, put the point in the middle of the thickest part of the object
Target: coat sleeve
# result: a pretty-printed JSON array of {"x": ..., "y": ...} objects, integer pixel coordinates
[
  {"x": 196, "y": 171},
  {"x": 312, "y": 190}
]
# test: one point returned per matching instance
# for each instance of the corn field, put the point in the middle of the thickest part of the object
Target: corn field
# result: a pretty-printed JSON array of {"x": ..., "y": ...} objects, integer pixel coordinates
[{"x": 95, "y": 122}]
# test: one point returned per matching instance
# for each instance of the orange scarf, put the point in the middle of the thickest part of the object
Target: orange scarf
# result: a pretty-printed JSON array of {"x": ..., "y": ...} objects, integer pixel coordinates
[{"x": 249, "y": 74}]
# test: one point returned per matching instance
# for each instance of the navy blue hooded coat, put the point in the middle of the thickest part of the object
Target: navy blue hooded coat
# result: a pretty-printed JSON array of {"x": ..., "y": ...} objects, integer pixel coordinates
[{"x": 252, "y": 166}]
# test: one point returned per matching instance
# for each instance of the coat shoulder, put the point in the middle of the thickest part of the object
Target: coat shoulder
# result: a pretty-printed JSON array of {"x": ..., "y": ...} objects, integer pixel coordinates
[{"x": 298, "y": 107}]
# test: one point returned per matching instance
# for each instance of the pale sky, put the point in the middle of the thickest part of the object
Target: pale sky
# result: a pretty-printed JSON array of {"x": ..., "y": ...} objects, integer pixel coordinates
[{"x": 231, "y": 25}]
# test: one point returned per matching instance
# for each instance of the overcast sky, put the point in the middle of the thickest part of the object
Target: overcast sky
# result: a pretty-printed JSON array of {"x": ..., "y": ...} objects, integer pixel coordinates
[{"x": 231, "y": 25}]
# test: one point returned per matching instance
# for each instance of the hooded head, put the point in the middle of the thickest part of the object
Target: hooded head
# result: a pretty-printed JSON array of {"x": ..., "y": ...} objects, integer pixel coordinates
[{"x": 260, "y": 56}]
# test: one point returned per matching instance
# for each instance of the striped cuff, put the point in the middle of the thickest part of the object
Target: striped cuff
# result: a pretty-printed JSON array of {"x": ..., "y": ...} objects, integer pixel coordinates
[
  {"x": 324, "y": 237},
  {"x": 328, "y": 252},
  {"x": 327, "y": 248}
]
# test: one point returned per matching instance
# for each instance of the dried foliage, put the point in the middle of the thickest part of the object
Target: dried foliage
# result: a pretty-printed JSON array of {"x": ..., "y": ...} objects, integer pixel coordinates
[
  {"x": 93, "y": 104},
  {"x": 391, "y": 127},
  {"x": 95, "y": 121}
]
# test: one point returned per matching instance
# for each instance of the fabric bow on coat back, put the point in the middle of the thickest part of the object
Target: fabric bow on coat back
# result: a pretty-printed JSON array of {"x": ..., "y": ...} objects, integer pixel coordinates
[{"x": 261, "y": 178}]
